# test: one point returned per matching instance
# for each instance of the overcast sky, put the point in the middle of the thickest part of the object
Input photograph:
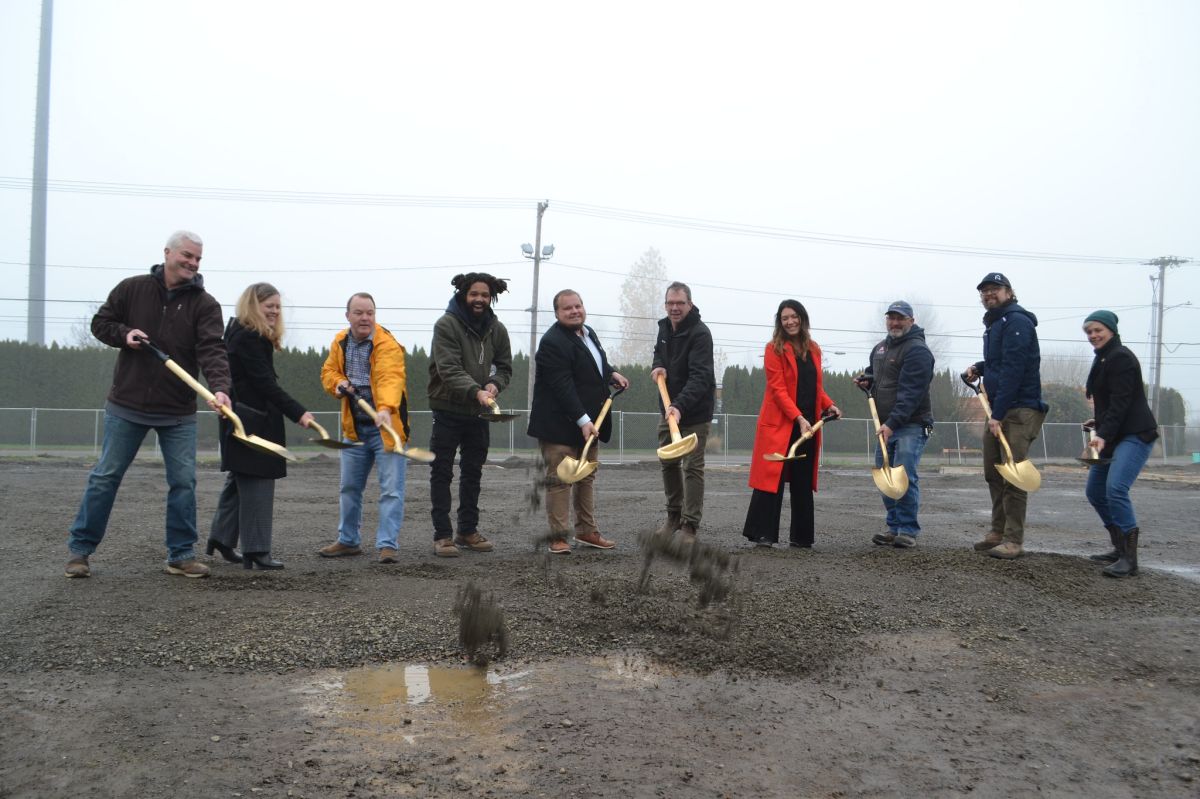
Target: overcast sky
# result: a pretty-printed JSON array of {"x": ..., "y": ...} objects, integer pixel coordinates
[{"x": 792, "y": 139}]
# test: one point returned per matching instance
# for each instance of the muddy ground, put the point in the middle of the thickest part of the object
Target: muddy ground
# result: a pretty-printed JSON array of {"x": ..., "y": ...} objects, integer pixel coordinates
[{"x": 849, "y": 670}]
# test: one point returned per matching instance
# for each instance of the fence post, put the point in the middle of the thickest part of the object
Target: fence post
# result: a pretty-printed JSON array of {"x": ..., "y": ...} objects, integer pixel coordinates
[
  {"x": 621, "y": 436},
  {"x": 958, "y": 443},
  {"x": 725, "y": 437},
  {"x": 33, "y": 430},
  {"x": 96, "y": 436},
  {"x": 1045, "y": 452}
]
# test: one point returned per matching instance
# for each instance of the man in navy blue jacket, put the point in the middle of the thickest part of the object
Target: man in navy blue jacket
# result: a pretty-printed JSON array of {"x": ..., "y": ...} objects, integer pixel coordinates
[
  {"x": 898, "y": 378},
  {"x": 1011, "y": 371}
]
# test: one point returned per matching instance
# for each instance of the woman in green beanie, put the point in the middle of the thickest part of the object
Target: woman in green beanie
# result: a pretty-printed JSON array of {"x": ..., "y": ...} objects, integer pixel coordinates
[{"x": 1125, "y": 434}]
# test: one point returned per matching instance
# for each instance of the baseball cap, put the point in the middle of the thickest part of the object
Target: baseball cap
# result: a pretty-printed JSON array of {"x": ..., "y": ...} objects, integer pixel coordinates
[
  {"x": 901, "y": 307},
  {"x": 994, "y": 277}
]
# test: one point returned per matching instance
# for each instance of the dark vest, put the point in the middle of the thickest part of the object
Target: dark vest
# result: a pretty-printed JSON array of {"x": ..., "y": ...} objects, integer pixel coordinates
[{"x": 886, "y": 361}]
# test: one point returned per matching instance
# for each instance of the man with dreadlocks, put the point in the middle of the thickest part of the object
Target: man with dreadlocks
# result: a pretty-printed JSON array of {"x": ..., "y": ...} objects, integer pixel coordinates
[{"x": 470, "y": 364}]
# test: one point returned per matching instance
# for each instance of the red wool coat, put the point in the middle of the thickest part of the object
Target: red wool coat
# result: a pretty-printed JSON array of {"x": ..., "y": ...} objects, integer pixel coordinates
[{"x": 778, "y": 415}]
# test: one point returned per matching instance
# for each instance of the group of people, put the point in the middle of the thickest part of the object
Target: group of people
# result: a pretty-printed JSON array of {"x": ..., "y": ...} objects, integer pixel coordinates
[{"x": 471, "y": 364}]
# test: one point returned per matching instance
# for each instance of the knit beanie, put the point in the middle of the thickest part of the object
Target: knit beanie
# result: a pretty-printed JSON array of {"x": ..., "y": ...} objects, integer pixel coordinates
[{"x": 1106, "y": 318}]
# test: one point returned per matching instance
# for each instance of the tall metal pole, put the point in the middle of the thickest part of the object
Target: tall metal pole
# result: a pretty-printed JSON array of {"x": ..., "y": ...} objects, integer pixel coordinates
[
  {"x": 1163, "y": 264},
  {"x": 537, "y": 263},
  {"x": 35, "y": 332}
]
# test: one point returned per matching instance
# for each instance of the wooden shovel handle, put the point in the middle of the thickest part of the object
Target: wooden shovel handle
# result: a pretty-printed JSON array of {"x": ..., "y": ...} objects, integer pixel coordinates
[
  {"x": 987, "y": 411},
  {"x": 320, "y": 430},
  {"x": 599, "y": 421},
  {"x": 666, "y": 401},
  {"x": 206, "y": 395},
  {"x": 878, "y": 433}
]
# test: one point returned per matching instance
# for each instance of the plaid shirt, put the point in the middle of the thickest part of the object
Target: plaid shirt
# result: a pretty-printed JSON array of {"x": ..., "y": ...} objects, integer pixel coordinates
[{"x": 358, "y": 372}]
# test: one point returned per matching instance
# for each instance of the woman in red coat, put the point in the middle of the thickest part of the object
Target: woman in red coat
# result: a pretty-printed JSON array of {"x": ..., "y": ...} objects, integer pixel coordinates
[{"x": 794, "y": 399}]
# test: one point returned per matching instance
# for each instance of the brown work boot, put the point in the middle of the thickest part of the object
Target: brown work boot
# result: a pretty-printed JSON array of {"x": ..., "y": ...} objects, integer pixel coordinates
[
  {"x": 671, "y": 524},
  {"x": 444, "y": 548},
  {"x": 687, "y": 532},
  {"x": 338, "y": 550},
  {"x": 474, "y": 542},
  {"x": 559, "y": 546},
  {"x": 1006, "y": 551},
  {"x": 388, "y": 555},
  {"x": 78, "y": 567},
  {"x": 187, "y": 568},
  {"x": 990, "y": 540},
  {"x": 595, "y": 540}
]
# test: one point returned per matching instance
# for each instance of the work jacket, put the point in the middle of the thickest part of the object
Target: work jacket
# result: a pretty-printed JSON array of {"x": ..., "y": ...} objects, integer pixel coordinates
[
  {"x": 184, "y": 322},
  {"x": 1012, "y": 361},
  {"x": 686, "y": 354},
  {"x": 389, "y": 383},
  {"x": 466, "y": 355},
  {"x": 900, "y": 373}
]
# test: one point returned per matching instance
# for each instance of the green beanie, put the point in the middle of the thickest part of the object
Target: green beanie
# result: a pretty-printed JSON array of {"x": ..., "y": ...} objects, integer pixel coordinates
[{"x": 1106, "y": 318}]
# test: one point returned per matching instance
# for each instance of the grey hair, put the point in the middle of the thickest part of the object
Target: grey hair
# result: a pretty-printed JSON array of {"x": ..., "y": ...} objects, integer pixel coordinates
[
  {"x": 180, "y": 236},
  {"x": 677, "y": 286}
]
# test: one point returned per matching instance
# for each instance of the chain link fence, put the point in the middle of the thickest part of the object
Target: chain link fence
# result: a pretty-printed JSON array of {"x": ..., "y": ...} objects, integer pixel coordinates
[{"x": 635, "y": 438}]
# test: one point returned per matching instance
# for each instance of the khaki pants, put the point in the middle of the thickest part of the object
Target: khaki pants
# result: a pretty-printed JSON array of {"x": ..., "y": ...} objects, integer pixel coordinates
[
  {"x": 561, "y": 496},
  {"x": 1021, "y": 427},
  {"x": 683, "y": 478}
]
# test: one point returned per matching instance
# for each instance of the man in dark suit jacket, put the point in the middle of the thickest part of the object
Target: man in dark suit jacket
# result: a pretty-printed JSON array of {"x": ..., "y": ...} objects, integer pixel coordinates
[{"x": 570, "y": 386}]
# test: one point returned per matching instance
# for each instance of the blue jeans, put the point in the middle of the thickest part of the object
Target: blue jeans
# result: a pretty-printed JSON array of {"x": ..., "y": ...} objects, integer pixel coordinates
[
  {"x": 122, "y": 439},
  {"x": 356, "y": 466},
  {"x": 904, "y": 448},
  {"x": 1108, "y": 484}
]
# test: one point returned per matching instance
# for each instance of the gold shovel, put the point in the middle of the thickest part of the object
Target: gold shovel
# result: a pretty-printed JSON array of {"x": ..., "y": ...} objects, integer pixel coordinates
[
  {"x": 494, "y": 414},
  {"x": 412, "y": 453},
  {"x": 680, "y": 445},
  {"x": 239, "y": 431},
  {"x": 1091, "y": 455},
  {"x": 330, "y": 443},
  {"x": 892, "y": 481},
  {"x": 791, "y": 453},
  {"x": 1023, "y": 475},
  {"x": 571, "y": 470}
]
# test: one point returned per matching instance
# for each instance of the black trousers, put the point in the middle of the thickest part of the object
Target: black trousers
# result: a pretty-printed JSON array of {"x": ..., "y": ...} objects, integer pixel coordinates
[
  {"x": 762, "y": 517},
  {"x": 470, "y": 437}
]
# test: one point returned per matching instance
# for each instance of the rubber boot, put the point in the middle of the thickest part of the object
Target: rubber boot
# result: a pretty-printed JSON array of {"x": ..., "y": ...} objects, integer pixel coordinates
[
  {"x": 1126, "y": 566},
  {"x": 1114, "y": 535}
]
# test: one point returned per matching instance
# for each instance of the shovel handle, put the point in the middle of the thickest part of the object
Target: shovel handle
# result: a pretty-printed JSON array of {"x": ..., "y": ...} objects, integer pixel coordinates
[
  {"x": 987, "y": 411},
  {"x": 320, "y": 430},
  {"x": 194, "y": 385},
  {"x": 878, "y": 432},
  {"x": 666, "y": 401}
]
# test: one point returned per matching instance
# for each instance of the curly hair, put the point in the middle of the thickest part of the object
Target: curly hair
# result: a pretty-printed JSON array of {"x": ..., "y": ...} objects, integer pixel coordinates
[{"x": 462, "y": 284}]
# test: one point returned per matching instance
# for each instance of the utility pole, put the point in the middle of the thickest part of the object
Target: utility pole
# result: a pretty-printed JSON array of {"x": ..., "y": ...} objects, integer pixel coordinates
[
  {"x": 35, "y": 331},
  {"x": 1164, "y": 263},
  {"x": 537, "y": 263}
]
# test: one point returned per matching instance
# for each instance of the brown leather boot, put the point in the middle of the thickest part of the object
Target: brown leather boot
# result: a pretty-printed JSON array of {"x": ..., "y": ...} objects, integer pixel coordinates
[
  {"x": 990, "y": 540},
  {"x": 671, "y": 524}
]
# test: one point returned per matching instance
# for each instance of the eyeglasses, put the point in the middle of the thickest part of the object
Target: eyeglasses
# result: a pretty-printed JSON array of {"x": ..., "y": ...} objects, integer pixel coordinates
[{"x": 992, "y": 290}]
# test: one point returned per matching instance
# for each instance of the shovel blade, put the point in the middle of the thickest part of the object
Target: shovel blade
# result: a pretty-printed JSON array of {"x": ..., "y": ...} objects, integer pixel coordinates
[
  {"x": 572, "y": 471},
  {"x": 892, "y": 482},
  {"x": 775, "y": 457},
  {"x": 677, "y": 449},
  {"x": 332, "y": 443},
  {"x": 417, "y": 454},
  {"x": 262, "y": 445},
  {"x": 1024, "y": 475}
]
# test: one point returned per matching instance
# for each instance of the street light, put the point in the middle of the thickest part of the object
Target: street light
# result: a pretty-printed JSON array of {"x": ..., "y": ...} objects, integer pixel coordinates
[{"x": 537, "y": 253}]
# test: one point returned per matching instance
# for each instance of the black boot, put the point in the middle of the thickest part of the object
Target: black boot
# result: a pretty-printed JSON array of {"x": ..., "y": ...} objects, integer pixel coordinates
[
  {"x": 1127, "y": 565},
  {"x": 1114, "y": 535},
  {"x": 228, "y": 553},
  {"x": 260, "y": 559}
]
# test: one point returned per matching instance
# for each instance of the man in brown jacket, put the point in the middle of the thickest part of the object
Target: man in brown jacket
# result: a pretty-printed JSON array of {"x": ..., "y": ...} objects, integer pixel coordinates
[{"x": 169, "y": 307}]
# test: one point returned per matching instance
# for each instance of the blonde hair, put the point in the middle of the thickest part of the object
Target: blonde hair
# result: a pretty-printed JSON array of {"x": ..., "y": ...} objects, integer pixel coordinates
[{"x": 250, "y": 316}]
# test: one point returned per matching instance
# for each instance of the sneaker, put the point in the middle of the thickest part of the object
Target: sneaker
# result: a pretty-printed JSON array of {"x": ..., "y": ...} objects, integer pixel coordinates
[
  {"x": 388, "y": 555},
  {"x": 559, "y": 546},
  {"x": 765, "y": 543},
  {"x": 444, "y": 548},
  {"x": 78, "y": 567},
  {"x": 1006, "y": 551},
  {"x": 474, "y": 542},
  {"x": 187, "y": 568},
  {"x": 595, "y": 540},
  {"x": 338, "y": 550},
  {"x": 904, "y": 541},
  {"x": 990, "y": 540},
  {"x": 883, "y": 539}
]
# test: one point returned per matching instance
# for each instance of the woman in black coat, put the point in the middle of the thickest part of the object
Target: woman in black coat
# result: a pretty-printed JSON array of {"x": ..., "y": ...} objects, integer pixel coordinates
[
  {"x": 1125, "y": 434},
  {"x": 245, "y": 507}
]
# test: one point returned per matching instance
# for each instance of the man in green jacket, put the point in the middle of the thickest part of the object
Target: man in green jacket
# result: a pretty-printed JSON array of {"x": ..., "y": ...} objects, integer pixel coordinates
[{"x": 470, "y": 364}]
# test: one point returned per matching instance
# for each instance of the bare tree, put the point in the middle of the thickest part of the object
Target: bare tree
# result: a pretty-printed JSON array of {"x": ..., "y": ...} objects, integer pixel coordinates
[
  {"x": 924, "y": 314},
  {"x": 81, "y": 336},
  {"x": 641, "y": 308},
  {"x": 1065, "y": 368}
]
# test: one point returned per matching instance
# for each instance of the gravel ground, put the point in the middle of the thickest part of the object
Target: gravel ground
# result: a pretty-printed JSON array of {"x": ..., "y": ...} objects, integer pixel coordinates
[{"x": 848, "y": 670}]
